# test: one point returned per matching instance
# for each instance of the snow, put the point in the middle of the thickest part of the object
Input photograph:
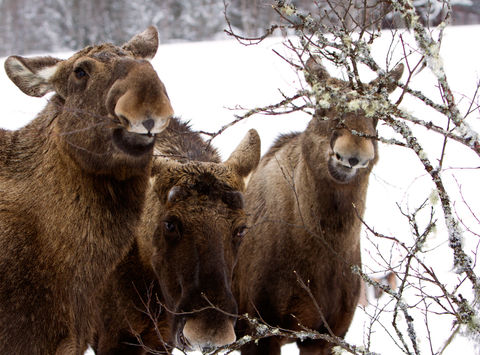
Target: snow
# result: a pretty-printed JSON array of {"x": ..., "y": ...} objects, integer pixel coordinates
[{"x": 205, "y": 81}]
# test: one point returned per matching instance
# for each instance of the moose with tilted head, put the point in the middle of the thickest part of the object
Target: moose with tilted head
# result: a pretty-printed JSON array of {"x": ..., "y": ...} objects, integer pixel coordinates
[
  {"x": 304, "y": 200},
  {"x": 72, "y": 188},
  {"x": 174, "y": 288}
]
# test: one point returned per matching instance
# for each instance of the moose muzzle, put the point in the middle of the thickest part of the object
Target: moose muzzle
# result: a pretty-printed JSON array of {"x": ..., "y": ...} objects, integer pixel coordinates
[{"x": 140, "y": 101}]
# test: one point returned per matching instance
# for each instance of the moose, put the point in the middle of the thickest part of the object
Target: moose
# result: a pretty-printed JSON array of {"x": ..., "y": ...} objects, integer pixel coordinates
[
  {"x": 304, "y": 200},
  {"x": 174, "y": 287},
  {"x": 72, "y": 188}
]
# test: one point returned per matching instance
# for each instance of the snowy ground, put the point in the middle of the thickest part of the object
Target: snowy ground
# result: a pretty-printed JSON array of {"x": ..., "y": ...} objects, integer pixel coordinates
[{"x": 206, "y": 80}]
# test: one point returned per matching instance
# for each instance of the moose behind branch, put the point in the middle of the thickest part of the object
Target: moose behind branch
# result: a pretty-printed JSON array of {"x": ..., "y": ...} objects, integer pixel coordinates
[
  {"x": 294, "y": 265},
  {"x": 73, "y": 184}
]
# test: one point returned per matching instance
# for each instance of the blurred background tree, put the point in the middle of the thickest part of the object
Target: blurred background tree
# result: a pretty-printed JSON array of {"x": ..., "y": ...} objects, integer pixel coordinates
[{"x": 28, "y": 26}]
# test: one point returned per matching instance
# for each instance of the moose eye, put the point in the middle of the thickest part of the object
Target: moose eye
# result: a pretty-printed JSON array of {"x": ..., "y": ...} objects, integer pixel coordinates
[
  {"x": 80, "y": 73},
  {"x": 172, "y": 228},
  {"x": 240, "y": 232}
]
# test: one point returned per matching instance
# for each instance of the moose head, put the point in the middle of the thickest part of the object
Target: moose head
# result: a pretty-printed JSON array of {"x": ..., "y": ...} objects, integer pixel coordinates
[
  {"x": 108, "y": 104},
  {"x": 196, "y": 231},
  {"x": 347, "y": 120}
]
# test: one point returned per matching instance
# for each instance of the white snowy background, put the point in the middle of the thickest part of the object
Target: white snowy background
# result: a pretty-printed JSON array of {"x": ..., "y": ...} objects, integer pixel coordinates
[{"x": 206, "y": 80}]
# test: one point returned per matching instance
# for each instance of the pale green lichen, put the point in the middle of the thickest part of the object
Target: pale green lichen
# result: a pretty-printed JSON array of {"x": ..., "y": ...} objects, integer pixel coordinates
[
  {"x": 346, "y": 40},
  {"x": 354, "y": 105},
  {"x": 434, "y": 197},
  {"x": 324, "y": 101},
  {"x": 422, "y": 155},
  {"x": 323, "y": 104},
  {"x": 434, "y": 61},
  {"x": 370, "y": 108},
  {"x": 288, "y": 9},
  {"x": 352, "y": 93}
]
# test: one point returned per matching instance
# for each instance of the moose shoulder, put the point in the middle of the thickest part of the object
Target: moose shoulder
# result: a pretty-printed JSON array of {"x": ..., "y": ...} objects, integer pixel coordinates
[
  {"x": 72, "y": 187},
  {"x": 303, "y": 203}
]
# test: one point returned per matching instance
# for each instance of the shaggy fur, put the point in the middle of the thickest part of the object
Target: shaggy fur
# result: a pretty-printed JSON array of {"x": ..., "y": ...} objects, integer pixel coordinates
[
  {"x": 185, "y": 251},
  {"x": 72, "y": 188},
  {"x": 303, "y": 203}
]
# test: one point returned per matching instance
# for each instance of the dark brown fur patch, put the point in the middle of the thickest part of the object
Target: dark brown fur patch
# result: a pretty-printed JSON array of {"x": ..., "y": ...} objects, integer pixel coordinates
[{"x": 181, "y": 143}]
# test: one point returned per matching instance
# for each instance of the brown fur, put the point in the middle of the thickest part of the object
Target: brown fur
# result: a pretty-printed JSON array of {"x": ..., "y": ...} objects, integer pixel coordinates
[
  {"x": 72, "y": 188},
  {"x": 302, "y": 203},
  {"x": 201, "y": 200},
  {"x": 181, "y": 143}
]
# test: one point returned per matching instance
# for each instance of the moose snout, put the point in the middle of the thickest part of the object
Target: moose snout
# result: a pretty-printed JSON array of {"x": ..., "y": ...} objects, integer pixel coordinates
[
  {"x": 137, "y": 117},
  {"x": 351, "y": 161},
  {"x": 205, "y": 337},
  {"x": 139, "y": 101},
  {"x": 148, "y": 124},
  {"x": 353, "y": 152}
]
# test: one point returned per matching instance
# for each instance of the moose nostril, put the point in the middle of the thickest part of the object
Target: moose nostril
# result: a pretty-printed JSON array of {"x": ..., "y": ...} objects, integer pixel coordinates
[
  {"x": 353, "y": 161},
  {"x": 148, "y": 124},
  {"x": 207, "y": 348},
  {"x": 123, "y": 120}
]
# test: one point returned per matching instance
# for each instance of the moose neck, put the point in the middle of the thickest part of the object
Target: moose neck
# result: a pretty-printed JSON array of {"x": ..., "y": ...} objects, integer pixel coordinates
[
  {"x": 336, "y": 208},
  {"x": 93, "y": 215}
]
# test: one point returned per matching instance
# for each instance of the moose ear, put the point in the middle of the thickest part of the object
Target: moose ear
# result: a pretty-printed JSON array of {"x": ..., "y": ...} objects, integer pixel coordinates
[
  {"x": 32, "y": 75},
  {"x": 143, "y": 45},
  {"x": 389, "y": 81},
  {"x": 314, "y": 71},
  {"x": 246, "y": 156}
]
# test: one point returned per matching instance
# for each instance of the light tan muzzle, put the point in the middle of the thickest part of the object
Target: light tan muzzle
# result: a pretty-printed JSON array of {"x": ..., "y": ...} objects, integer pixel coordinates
[
  {"x": 352, "y": 151},
  {"x": 142, "y": 104},
  {"x": 200, "y": 337}
]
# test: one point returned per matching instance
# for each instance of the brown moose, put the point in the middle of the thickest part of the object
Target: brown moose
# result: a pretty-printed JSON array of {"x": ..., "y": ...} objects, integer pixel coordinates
[
  {"x": 294, "y": 266},
  {"x": 174, "y": 288},
  {"x": 72, "y": 188}
]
